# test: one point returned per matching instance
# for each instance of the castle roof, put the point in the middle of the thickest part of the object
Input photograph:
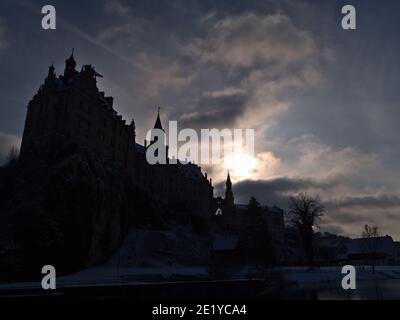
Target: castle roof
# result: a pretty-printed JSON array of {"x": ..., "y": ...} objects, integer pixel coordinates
[
  {"x": 190, "y": 170},
  {"x": 140, "y": 148}
]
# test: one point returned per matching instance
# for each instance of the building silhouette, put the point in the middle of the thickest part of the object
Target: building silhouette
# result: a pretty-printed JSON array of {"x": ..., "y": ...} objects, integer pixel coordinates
[{"x": 70, "y": 113}]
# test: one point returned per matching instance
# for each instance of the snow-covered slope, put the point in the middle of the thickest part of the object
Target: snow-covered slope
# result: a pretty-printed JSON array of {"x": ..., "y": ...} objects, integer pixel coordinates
[{"x": 177, "y": 246}]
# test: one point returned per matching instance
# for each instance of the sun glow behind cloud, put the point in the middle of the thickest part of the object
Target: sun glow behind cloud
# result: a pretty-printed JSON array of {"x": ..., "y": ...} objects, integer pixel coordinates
[{"x": 240, "y": 165}]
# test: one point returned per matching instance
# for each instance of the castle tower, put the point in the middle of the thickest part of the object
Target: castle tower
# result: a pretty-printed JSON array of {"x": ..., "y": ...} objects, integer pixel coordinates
[
  {"x": 229, "y": 199},
  {"x": 70, "y": 65},
  {"x": 132, "y": 129},
  {"x": 51, "y": 77},
  {"x": 51, "y": 74}
]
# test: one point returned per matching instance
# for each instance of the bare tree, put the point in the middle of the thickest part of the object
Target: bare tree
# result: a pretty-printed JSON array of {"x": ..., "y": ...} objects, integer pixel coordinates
[
  {"x": 370, "y": 233},
  {"x": 304, "y": 212}
]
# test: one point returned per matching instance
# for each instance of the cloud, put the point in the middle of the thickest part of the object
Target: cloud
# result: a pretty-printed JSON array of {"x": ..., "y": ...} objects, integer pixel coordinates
[
  {"x": 155, "y": 55},
  {"x": 273, "y": 191},
  {"x": 352, "y": 219},
  {"x": 309, "y": 157},
  {"x": 371, "y": 201},
  {"x": 244, "y": 64},
  {"x": 250, "y": 39},
  {"x": 216, "y": 109},
  {"x": 162, "y": 74},
  {"x": 265, "y": 57},
  {"x": 116, "y": 8}
]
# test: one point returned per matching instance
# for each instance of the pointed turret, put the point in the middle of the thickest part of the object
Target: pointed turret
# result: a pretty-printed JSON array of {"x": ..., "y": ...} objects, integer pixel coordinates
[
  {"x": 132, "y": 129},
  {"x": 70, "y": 62},
  {"x": 70, "y": 65},
  {"x": 51, "y": 73}
]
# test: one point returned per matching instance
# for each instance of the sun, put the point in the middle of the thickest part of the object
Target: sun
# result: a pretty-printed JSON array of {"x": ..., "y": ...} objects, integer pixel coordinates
[{"x": 241, "y": 165}]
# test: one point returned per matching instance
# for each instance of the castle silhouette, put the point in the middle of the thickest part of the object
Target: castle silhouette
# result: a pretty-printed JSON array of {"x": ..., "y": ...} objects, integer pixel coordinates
[{"x": 69, "y": 111}]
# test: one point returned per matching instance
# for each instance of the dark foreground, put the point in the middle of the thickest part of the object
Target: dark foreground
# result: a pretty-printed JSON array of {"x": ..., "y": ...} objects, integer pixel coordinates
[{"x": 227, "y": 290}]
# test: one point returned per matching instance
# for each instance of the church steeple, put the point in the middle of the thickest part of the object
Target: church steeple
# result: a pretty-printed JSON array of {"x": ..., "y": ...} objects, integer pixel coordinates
[
  {"x": 158, "y": 125},
  {"x": 228, "y": 180},
  {"x": 229, "y": 199}
]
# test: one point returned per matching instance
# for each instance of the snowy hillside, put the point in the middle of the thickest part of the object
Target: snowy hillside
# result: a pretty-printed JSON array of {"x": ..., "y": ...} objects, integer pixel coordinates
[{"x": 177, "y": 246}]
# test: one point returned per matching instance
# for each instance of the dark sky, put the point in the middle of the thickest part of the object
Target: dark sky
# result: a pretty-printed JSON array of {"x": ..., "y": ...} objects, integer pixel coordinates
[{"x": 324, "y": 102}]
